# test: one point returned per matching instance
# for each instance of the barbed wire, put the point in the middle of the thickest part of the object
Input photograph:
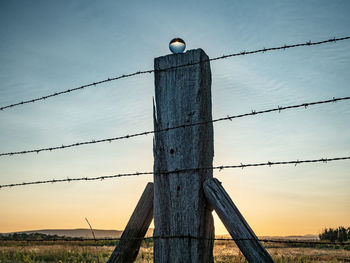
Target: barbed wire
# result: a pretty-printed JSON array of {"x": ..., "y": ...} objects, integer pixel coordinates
[
  {"x": 128, "y": 136},
  {"x": 309, "y": 43},
  {"x": 78, "y": 239},
  {"x": 222, "y": 167},
  {"x": 289, "y": 241}
]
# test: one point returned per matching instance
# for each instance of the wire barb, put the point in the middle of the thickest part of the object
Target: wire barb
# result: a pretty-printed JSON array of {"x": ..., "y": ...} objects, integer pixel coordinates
[
  {"x": 185, "y": 170},
  {"x": 128, "y": 136},
  {"x": 284, "y": 47}
]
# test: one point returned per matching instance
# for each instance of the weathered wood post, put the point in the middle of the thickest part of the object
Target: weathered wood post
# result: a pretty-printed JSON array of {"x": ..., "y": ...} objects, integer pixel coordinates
[
  {"x": 235, "y": 223},
  {"x": 182, "y": 96},
  {"x": 127, "y": 249}
]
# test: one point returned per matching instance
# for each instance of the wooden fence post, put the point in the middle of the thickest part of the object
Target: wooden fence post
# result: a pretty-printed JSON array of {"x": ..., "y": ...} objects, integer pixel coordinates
[
  {"x": 182, "y": 96},
  {"x": 235, "y": 223},
  {"x": 128, "y": 247}
]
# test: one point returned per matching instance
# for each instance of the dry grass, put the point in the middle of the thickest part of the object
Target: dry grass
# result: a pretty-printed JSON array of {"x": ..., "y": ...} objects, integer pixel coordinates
[
  {"x": 228, "y": 252},
  {"x": 74, "y": 252}
]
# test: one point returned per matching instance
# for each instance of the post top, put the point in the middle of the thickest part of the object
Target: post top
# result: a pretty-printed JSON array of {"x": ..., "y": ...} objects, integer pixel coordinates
[{"x": 173, "y": 60}]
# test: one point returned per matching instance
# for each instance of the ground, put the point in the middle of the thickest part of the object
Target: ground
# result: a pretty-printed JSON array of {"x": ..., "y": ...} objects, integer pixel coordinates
[{"x": 224, "y": 251}]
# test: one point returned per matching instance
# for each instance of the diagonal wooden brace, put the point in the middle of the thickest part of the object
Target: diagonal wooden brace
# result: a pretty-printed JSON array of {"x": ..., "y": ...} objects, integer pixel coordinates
[
  {"x": 128, "y": 247},
  {"x": 235, "y": 223}
]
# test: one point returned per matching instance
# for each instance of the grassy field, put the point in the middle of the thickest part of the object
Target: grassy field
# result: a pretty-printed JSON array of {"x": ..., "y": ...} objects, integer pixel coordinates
[{"x": 89, "y": 251}]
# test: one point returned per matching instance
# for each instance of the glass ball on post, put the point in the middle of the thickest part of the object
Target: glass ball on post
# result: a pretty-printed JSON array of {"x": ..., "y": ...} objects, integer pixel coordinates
[{"x": 177, "y": 45}]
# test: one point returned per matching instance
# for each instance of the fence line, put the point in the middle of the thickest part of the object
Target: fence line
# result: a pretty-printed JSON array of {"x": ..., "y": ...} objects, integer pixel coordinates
[
  {"x": 285, "y": 241},
  {"x": 222, "y": 167},
  {"x": 309, "y": 43},
  {"x": 279, "y": 109}
]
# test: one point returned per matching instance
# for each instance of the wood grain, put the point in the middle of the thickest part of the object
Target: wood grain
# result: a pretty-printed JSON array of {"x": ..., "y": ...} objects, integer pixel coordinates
[
  {"x": 182, "y": 95},
  {"x": 128, "y": 247},
  {"x": 235, "y": 223}
]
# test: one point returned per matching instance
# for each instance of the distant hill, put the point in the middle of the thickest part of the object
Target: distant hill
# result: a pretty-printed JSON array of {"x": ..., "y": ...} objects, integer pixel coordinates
[
  {"x": 308, "y": 237},
  {"x": 80, "y": 232},
  {"x": 99, "y": 233}
]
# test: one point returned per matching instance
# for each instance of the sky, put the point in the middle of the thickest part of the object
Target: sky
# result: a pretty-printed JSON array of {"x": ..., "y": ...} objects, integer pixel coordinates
[{"x": 49, "y": 46}]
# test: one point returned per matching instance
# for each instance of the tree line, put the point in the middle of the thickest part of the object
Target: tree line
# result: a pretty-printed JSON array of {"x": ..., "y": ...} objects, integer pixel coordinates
[
  {"x": 31, "y": 236},
  {"x": 340, "y": 234}
]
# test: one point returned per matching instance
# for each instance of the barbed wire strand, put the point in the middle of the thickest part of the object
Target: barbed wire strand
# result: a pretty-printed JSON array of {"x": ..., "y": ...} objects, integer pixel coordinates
[
  {"x": 222, "y": 167},
  {"x": 77, "y": 239},
  {"x": 128, "y": 136},
  {"x": 284, "y": 47}
]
